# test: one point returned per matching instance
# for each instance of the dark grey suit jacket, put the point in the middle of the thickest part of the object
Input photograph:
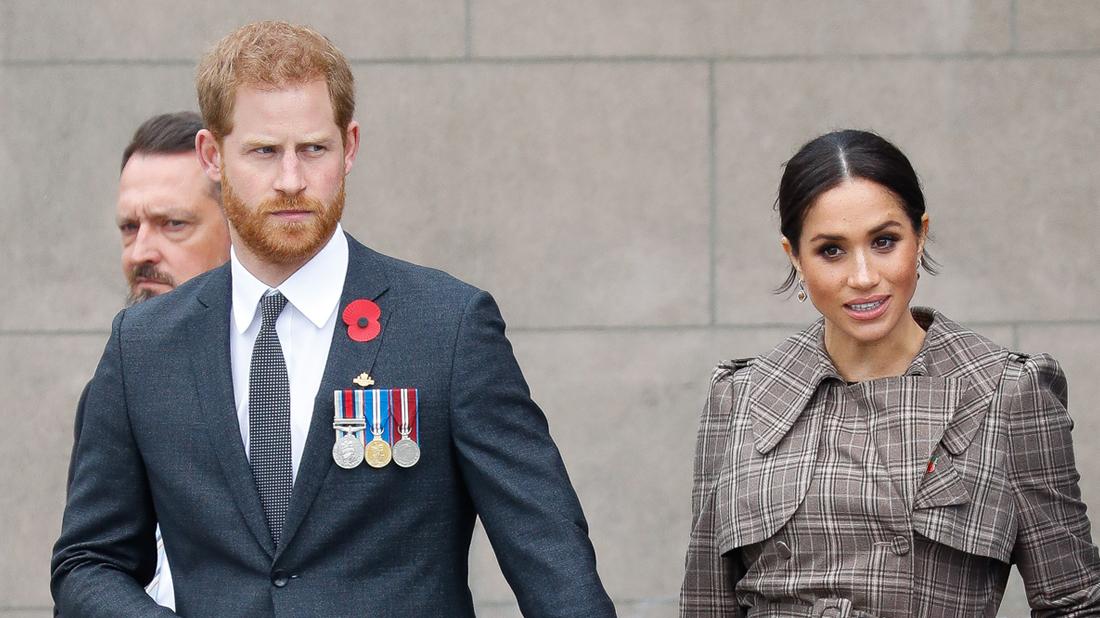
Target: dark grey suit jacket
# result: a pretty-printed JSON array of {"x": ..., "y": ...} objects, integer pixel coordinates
[{"x": 160, "y": 442}]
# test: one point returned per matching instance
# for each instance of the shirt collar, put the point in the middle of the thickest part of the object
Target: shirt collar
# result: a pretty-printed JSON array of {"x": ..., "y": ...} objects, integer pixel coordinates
[{"x": 314, "y": 289}]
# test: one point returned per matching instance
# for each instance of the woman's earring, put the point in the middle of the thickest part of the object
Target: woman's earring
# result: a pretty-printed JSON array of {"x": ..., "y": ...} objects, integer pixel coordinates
[{"x": 802, "y": 295}]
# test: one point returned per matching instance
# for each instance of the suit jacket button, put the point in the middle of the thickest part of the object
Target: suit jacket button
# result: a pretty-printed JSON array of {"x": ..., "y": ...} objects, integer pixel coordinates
[
  {"x": 279, "y": 578},
  {"x": 783, "y": 550}
]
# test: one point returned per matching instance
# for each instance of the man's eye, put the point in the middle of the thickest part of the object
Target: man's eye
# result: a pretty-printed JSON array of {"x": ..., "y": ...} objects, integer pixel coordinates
[
  {"x": 264, "y": 150},
  {"x": 315, "y": 148},
  {"x": 174, "y": 224},
  {"x": 128, "y": 228}
]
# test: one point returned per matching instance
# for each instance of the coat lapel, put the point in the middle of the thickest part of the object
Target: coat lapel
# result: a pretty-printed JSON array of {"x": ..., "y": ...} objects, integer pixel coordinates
[
  {"x": 366, "y": 278},
  {"x": 213, "y": 376},
  {"x": 776, "y": 467}
]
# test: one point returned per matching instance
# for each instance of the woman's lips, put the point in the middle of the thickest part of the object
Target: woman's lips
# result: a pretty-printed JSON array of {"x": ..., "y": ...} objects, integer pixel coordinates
[{"x": 867, "y": 308}]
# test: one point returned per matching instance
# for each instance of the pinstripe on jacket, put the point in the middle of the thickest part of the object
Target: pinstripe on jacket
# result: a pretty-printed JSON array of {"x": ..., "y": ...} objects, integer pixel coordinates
[{"x": 974, "y": 459}]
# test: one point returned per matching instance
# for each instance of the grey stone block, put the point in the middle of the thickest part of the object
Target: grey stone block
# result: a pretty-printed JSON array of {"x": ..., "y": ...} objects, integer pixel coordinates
[
  {"x": 56, "y": 30},
  {"x": 623, "y": 408},
  {"x": 1002, "y": 147},
  {"x": 576, "y": 193},
  {"x": 1075, "y": 348},
  {"x": 65, "y": 128},
  {"x": 1058, "y": 25},
  {"x": 1014, "y": 604},
  {"x": 743, "y": 27},
  {"x": 43, "y": 378}
]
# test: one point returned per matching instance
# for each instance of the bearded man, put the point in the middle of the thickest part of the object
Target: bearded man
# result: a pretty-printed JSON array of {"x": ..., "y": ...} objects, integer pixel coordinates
[{"x": 315, "y": 425}]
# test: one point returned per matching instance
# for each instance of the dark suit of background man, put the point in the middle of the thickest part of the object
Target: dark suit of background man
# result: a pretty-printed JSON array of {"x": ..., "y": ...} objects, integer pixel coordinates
[
  {"x": 170, "y": 221},
  {"x": 256, "y": 517}
]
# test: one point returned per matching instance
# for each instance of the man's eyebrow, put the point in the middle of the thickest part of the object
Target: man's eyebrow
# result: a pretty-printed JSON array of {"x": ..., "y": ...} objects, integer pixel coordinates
[{"x": 153, "y": 212}]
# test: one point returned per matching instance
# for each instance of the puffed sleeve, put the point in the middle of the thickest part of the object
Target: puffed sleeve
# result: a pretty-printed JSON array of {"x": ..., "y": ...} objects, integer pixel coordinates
[
  {"x": 709, "y": 580},
  {"x": 1054, "y": 551}
]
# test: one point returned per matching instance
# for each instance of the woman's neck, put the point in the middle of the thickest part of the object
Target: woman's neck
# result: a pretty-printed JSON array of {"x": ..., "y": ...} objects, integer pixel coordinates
[{"x": 857, "y": 361}]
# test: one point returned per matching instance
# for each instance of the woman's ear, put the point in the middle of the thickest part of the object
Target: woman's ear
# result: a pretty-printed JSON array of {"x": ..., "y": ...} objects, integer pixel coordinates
[
  {"x": 923, "y": 234},
  {"x": 789, "y": 250}
]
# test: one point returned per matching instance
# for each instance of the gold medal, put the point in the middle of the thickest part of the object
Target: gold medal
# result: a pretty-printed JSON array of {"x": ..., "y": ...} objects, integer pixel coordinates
[{"x": 378, "y": 453}]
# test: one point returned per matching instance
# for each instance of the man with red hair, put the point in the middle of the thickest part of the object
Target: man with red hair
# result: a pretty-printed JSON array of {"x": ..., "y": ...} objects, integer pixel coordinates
[{"x": 316, "y": 426}]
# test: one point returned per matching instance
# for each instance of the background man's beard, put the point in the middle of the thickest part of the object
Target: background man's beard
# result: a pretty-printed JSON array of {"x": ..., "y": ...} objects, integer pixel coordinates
[
  {"x": 282, "y": 242},
  {"x": 148, "y": 271}
]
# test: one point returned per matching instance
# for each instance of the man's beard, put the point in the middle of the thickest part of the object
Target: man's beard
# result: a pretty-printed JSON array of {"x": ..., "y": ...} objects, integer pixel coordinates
[
  {"x": 149, "y": 272},
  {"x": 282, "y": 242}
]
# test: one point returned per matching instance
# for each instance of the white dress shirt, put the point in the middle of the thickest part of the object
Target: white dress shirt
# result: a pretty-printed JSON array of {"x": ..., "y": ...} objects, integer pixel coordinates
[{"x": 304, "y": 327}]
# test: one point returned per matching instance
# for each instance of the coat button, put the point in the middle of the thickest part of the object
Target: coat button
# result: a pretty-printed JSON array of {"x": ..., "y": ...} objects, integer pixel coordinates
[
  {"x": 783, "y": 550},
  {"x": 279, "y": 578},
  {"x": 901, "y": 545}
]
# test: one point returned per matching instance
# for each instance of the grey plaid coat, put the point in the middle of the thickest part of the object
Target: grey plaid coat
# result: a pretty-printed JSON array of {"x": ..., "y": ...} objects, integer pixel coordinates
[{"x": 905, "y": 496}]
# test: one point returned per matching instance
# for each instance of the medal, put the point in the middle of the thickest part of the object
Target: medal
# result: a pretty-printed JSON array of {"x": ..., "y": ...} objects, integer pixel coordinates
[
  {"x": 406, "y": 452},
  {"x": 347, "y": 451},
  {"x": 377, "y": 452}
]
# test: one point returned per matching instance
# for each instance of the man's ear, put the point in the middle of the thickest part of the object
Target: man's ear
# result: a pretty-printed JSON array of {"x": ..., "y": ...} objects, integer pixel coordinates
[
  {"x": 789, "y": 250},
  {"x": 351, "y": 146},
  {"x": 209, "y": 153}
]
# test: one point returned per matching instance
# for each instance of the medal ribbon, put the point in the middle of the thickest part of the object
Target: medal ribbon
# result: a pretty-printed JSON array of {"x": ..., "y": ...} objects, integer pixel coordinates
[
  {"x": 404, "y": 405},
  {"x": 380, "y": 416},
  {"x": 348, "y": 404}
]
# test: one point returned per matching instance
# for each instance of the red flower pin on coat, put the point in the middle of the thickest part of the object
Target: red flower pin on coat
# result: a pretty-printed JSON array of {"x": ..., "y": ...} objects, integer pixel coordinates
[{"x": 362, "y": 317}]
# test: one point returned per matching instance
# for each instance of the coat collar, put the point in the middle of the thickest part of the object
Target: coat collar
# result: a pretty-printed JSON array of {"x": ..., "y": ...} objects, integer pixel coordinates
[{"x": 783, "y": 381}]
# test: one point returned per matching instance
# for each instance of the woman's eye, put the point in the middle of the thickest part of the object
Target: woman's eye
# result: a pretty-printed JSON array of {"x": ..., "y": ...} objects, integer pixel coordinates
[
  {"x": 886, "y": 242},
  {"x": 829, "y": 251}
]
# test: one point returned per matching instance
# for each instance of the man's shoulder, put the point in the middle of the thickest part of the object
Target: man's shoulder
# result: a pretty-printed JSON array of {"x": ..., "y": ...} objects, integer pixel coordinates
[
  {"x": 423, "y": 283},
  {"x": 168, "y": 312}
]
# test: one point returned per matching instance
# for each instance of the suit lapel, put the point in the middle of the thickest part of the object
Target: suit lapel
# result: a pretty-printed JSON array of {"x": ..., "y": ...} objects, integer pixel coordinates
[
  {"x": 213, "y": 376},
  {"x": 365, "y": 278}
]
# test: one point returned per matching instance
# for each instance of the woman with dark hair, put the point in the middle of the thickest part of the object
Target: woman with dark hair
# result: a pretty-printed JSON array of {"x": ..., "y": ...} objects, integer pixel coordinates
[{"x": 885, "y": 461}]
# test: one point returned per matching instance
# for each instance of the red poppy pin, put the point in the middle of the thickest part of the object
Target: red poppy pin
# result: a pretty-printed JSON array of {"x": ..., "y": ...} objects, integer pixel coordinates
[
  {"x": 932, "y": 464},
  {"x": 362, "y": 317}
]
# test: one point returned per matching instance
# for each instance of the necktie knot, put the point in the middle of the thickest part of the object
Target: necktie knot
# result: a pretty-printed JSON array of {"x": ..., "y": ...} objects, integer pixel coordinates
[{"x": 270, "y": 308}]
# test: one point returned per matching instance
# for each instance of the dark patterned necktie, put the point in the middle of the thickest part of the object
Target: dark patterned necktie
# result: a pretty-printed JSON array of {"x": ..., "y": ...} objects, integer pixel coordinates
[{"x": 269, "y": 418}]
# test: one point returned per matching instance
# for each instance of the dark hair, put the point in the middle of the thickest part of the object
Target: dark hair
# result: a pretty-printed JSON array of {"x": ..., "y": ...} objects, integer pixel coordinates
[
  {"x": 164, "y": 134},
  {"x": 829, "y": 160}
]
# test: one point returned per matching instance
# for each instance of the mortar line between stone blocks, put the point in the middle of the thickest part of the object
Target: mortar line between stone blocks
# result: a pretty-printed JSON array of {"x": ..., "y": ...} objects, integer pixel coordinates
[
  {"x": 8, "y": 14},
  {"x": 1013, "y": 27},
  {"x": 526, "y": 61},
  {"x": 41, "y": 332},
  {"x": 469, "y": 29},
  {"x": 712, "y": 180}
]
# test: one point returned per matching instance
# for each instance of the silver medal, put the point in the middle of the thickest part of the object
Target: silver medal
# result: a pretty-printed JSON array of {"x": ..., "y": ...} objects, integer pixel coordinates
[
  {"x": 348, "y": 451},
  {"x": 406, "y": 453}
]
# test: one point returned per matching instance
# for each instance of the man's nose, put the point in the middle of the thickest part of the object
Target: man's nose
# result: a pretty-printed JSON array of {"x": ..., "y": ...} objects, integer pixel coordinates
[
  {"x": 290, "y": 181},
  {"x": 145, "y": 248}
]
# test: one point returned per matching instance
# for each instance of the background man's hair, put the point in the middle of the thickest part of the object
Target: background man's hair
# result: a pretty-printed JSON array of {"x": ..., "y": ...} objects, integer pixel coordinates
[
  {"x": 271, "y": 55},
  {"x": 164, "y": 134}
]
